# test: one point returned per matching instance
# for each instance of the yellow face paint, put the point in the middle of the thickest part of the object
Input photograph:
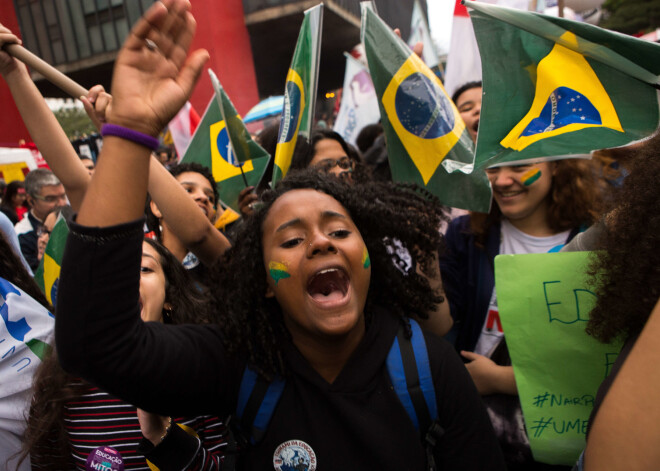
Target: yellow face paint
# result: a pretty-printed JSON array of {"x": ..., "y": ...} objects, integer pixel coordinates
[
  {"x": 530, "y": 176},
  {"x": 278, "y": 271},
  {"x": 366, "y": 261}
]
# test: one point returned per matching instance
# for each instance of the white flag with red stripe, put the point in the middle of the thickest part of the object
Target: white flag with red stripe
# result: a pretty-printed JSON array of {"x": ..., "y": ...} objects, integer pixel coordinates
[
  {"x": 182, "y": 127},
  {"x": 463, "y": 60}
]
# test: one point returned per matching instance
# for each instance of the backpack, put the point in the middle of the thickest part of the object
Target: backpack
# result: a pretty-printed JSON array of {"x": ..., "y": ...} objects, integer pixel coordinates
[{"x": 410, "y": 373}]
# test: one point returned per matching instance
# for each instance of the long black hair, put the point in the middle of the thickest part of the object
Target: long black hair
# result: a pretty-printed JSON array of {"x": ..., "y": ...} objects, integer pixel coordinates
[
  {"x": 382, "y": 212},
  {"x": 46, "y": 438}
]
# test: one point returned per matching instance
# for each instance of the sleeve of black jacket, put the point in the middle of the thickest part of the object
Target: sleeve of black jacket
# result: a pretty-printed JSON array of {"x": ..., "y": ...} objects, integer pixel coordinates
[{"x": 165, "y": 369}]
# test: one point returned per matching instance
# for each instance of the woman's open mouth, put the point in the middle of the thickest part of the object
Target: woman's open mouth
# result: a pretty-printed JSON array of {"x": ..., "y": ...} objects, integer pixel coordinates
[{"x": 329, "y": 285}]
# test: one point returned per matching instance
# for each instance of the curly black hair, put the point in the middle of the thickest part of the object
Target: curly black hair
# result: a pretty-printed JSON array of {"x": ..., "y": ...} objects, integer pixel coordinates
[
  {"x": 383, "y": 212},
  {"x": 627, "y": 269}
]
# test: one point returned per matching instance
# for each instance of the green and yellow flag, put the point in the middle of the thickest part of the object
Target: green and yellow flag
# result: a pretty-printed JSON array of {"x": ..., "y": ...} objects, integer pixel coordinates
[
  {"x": 300, "y": 91},
  {"x": 427, "y": 141},
  {"x": 236, "y": 166},
  {"x": 47, "y": 275},
  {"x": 555, "y": 87}
]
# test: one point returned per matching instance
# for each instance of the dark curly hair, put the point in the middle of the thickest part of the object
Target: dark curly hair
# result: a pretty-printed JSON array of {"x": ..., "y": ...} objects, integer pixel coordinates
[
  {"x": 626, "y": 271},
  {"x": 46, "y": 434},
  {"x": 383, "y": 212},
  {"x": 575, "y": 198}
]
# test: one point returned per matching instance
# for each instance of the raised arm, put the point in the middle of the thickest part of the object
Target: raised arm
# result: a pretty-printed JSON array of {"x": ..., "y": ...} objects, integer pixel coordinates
[
  {"x": 42, "y": 125},
  {"x": 183, "y": 217},
  {"x": 153, "y": 78},
  {"x": 625, "y": 432}
]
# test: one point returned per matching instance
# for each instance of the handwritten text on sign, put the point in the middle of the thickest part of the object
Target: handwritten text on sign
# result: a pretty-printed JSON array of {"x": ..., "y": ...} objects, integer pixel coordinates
[{"x": 544, "y": 302}]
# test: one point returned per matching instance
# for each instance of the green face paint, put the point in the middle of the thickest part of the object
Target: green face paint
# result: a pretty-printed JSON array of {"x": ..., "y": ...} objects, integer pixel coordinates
[
  {"x": 278, "y": 271},
  {"x": 530, "y": 176},
  {"x": 366, "y": 261}
]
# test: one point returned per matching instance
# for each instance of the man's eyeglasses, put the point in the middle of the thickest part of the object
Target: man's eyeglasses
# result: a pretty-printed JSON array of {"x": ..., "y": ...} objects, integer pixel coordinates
[
  {"x": 345, "y": 163},
  {"x": 51, "y": 198}
]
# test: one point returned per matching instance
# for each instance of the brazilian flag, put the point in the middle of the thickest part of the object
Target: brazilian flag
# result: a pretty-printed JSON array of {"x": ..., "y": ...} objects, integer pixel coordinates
[
  {"x": 47, "y": 275},
  {"x": 555, "y": 87},
  {"x": 228, "y": 150},
  {"x": 427, "y": 141},
  {"x": 300, "y": 91}
]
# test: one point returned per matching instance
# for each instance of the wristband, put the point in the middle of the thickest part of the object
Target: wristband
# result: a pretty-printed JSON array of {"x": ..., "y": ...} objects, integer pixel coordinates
[{"x": 132, "y": 135}]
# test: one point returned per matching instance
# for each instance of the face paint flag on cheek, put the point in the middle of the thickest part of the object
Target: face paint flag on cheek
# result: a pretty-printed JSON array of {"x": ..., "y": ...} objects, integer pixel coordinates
[
  {"x": 530, "y": 176},
  {"x": 556, "y": 88},
  {"x": 366, "y": 261},
  {"x": 427, "y": 141},
  {"x": 278, "y": 271}
]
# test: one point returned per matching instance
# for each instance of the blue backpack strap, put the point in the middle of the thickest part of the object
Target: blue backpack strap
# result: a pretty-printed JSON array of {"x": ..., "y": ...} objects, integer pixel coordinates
[
  {"x": 410, "y": 372},
  {"x": 257, "y": 400}
]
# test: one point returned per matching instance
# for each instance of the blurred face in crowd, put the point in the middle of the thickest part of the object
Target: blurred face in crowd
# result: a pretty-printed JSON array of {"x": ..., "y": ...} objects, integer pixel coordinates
[
  {"x": 469, "y": 106},
  {"x": 19, "y": 198},
  {"x": 521, "y": 191},
  {"x": 89, "y": 165},
  {"x": 314, "y": 257},
  {"x": 43, "y": 233},
  {"x": 49, "y": 198},
  {"x": 152, "y": 285},
  {"x": 330, "y": 157},
  {"x": 200, "y": 190}
]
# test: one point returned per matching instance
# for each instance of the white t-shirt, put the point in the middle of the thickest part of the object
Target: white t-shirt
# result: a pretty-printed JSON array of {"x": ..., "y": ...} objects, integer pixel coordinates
[{"x": 512, "y": 242}]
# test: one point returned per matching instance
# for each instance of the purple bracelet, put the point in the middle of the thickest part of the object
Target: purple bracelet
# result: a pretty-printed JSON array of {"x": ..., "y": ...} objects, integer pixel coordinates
[{"x": 132, "y": 135}]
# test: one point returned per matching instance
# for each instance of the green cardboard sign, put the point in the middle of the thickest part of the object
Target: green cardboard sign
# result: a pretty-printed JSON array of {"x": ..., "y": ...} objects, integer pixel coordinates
[{"x": 544, "y": 302}]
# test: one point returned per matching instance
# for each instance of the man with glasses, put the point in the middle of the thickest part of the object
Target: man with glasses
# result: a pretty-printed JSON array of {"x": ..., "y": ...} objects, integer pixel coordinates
[{"x": 44, "y": 193}]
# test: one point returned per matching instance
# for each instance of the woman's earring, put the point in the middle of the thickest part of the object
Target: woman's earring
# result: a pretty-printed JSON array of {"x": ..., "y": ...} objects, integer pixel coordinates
[{"x": 167, "y": 315}]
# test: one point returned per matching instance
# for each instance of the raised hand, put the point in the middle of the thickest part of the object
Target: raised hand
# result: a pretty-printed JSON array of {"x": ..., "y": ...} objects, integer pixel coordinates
[
  {"x": 97, "y": 104},
  {"x": 153, "y": 74},
  {"x": 7, "y": 62}
]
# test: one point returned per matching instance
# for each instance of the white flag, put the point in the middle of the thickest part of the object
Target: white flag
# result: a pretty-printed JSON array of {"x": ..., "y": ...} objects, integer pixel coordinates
[
  {"x": 463, "y": 60},
  {"x": 359, "y": 103},
  {"x": 419, "y": 32},
  {"x": 183, "y": 127}
]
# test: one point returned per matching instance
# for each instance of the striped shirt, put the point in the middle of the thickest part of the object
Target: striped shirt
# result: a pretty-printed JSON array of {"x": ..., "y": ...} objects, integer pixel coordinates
[{"x": 99, "y": 419}]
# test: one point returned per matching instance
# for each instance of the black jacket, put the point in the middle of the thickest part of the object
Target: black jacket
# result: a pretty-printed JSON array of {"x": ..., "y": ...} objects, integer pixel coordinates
[{"x": 357, "y": 422}]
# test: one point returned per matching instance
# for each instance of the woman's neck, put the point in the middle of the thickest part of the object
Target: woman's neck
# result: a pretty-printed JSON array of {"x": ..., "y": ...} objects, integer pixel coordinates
[
  {"x": 535, "y": 224},
  {"x": 328, "y": 356}
]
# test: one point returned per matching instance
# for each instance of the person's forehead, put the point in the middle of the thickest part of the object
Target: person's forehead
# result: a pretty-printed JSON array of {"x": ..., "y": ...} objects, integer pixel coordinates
[
  {"x": 328, "y": 149},
  {"x": 52, "y": 189},
  {"x": 149, "y": 252},
  {"x": 470, "y": 94},
  {"x": 301, "y": 204},
  {"x": 194, "y": 178}
]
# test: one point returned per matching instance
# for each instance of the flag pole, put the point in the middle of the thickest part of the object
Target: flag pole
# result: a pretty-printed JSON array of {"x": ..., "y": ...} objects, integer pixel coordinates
[
  {"x": 243, "y": 175},
  {"x": 48, "y": 71}
]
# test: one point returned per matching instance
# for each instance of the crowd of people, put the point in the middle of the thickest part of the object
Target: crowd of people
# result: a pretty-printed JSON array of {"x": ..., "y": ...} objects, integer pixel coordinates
[{"x": 343, "y": 323}]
